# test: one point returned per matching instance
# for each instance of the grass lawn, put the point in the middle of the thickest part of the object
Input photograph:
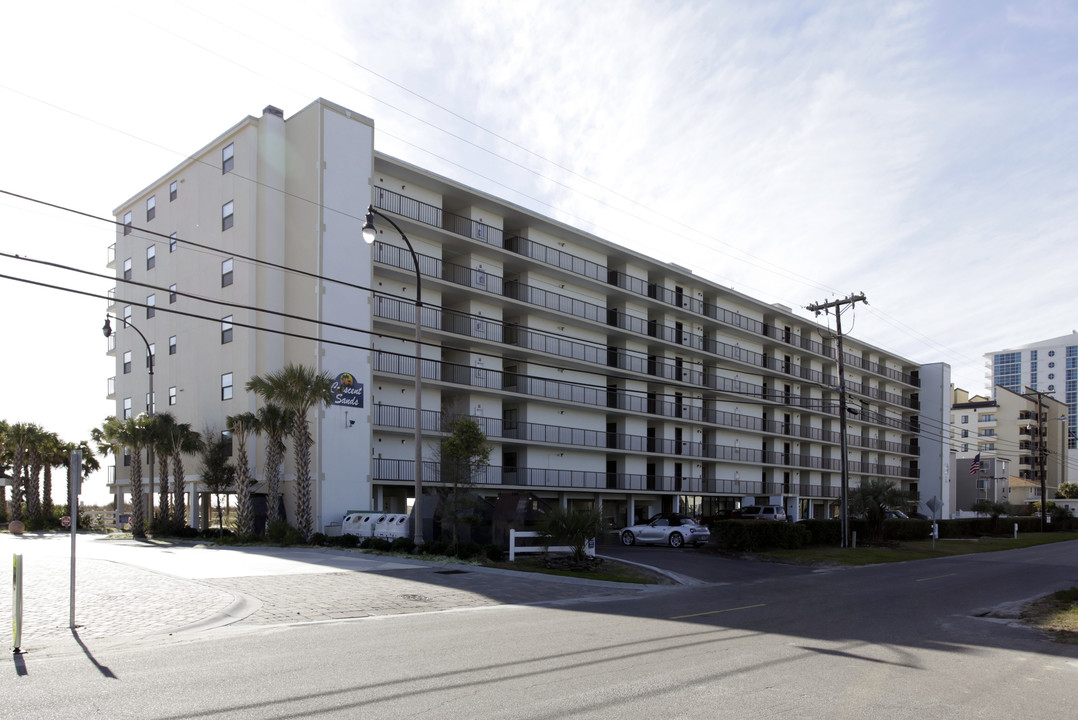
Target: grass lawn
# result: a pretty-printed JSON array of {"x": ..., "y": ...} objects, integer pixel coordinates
[
  {"x": 1055, "y": 614},
  {"x": 919, "y": 550}
]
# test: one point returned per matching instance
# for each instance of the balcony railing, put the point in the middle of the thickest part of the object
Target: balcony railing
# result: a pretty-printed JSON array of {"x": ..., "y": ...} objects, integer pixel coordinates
[{"x": 434, "y": 216}]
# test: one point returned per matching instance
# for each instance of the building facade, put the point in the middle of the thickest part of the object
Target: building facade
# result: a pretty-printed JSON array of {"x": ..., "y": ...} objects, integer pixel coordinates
[
  {"x": 600, "y": 376},
  {"x": 1026, "y": 430}
]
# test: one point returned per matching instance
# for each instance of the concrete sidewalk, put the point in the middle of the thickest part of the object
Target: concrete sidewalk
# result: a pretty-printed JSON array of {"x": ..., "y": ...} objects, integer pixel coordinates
[{"x": 128, "y": 590}]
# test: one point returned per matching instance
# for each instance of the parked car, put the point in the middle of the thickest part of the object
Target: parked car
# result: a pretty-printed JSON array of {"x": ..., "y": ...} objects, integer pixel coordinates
[
  {"x": 674, "y": 530},
  {"x": 895, "y": 515},
  {"x": 761, "y": 512}
]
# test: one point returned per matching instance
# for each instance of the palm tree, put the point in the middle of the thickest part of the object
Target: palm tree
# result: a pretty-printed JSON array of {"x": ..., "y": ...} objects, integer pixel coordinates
[
  {"x": 54, "y": 454},
  {"x": 240, "y": 425},
  {"x": 162, "y": 425},
  {"x": 275, "y": 423},
  {"x": 872, "y": 499},
  {"x": 5, "y": 465},
  {"x": 36, "y": 450},
  {"x": 17, "y": 439},
  {"x": 184, "y": 441},
  {"x": 297, "y": 388},
  {"x": 133, "y": 434},
  {"x": 89, "y": 465}
]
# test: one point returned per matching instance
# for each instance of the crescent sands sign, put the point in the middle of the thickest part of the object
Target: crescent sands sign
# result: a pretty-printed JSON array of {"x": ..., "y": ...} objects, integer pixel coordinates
[{"x": 347, "y": 391}]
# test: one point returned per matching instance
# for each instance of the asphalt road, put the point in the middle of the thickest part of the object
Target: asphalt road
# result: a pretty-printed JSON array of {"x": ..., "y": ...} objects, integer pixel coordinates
[{"x": 891, "y": 641}]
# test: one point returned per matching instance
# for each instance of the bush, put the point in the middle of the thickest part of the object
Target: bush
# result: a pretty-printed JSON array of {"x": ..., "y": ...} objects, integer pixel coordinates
[
  {"x": 318, "y": 539},
  {"x": 467, "y": 550},
  {"x": 402, "y": 544},
  {"x": 494, "y": 553},
  {"x": 377, "y": 544},
  {"x": 756, "y": 535},
  {"x": 348, "y": 540},
  {"x": 823, "y": 532},
  {"x": 434, "y": 547},
  {"x": 280, "y": 532}
]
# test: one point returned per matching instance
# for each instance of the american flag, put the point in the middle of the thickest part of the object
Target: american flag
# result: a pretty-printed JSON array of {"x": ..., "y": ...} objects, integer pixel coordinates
[{"x": 975, "y": 466}]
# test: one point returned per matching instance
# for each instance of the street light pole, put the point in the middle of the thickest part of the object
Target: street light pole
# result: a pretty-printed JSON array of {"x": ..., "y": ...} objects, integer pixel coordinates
[
  {"x": 107, "y": 331},
  {"x": 369, "y": 235}
]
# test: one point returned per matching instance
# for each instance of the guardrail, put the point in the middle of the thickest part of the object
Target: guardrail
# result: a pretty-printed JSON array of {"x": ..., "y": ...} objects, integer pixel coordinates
[{"x": 514, "y": 549}]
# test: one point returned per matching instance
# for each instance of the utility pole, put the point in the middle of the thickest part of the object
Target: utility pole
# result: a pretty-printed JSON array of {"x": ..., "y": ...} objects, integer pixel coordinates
[
  {"x": 844, "y": 513},
  {"x": 1042, "y": 452}
]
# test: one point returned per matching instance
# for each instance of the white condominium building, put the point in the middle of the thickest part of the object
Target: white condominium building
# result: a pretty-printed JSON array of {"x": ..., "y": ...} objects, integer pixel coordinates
[{"x": 600, "y": 375}]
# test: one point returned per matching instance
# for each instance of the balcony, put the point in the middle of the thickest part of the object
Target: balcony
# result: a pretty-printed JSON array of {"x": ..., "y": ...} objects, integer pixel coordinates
[
  {"x": 110, "y": 391},
  {"x": 436, "y": 217},
  {"x": 110, "y": 260}
]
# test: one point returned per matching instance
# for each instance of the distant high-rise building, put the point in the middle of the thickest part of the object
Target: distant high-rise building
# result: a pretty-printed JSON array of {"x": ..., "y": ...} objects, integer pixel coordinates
[{"x": 1049, "y": 366}]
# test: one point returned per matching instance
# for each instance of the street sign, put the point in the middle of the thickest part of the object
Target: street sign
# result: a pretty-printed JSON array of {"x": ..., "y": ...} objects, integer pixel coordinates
[{"x": 65, "y": 521}]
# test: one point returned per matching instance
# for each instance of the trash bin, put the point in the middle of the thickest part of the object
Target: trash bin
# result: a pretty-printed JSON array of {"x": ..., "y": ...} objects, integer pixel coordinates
[
  {"x": 360, "y": 524},
  {"x": 397, "y": 526}
]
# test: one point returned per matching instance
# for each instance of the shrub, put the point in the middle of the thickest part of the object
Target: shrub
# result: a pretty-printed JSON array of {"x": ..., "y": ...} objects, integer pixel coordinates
[
  {"x": 348, "y": 540},
  {"x": 403, "y": 544},
  {"x": 318, "y": 539},
  {"x": 379, "y": 544},
  {"x": 756, "y": 535},
  {"x": 434, "y": 547},
  {"x": 494, "y": 553},
  {"x": 467, "y": 550},
  {"x": 823, "y": 532},
  {"x": 277, "y": 530}
]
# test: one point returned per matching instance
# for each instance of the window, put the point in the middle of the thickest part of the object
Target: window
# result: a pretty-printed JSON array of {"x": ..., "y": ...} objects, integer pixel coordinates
[
  {"x": 965, "y": 433},
  {"x": 228, "y": 158},
  {"x": 172, "y": 243},
  {"x": 965, "y": 447},
  {"x": 127, "y": 362},
  {"x": 226, "y": 215},
  {"x": 226, "y": 330},
  {"x": 151, "y": 257},
  {"x": 226, "y": 386},
  {"x": 226, "y": 436},
  {"x": 151, "y": 306},
  {"x": 172, "y": 395},
  {"x": 173, "y": 190},
  {"x": 127, "y": 269},
  {"x": 127, "y": 223},
  {"x": 151, "y": 207},
  {"x": 149, "y": 408},
  {"x": 127, "y": 457},
  {"x": 987, "y": 432},
  {"x": 127, "y": 315},
  {"x": 127, "y": 408},
  {"x": 172, "y": 345},
  {"x": 172, "y": 293},
  {"x": 987, "y": 417},
  {"x": 965, "y": 419},
  {"x": 226, "y": 273}
]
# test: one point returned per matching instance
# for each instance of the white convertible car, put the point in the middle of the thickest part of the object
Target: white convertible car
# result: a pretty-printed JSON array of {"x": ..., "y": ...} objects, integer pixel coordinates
[{"x": 674, "y": 530}]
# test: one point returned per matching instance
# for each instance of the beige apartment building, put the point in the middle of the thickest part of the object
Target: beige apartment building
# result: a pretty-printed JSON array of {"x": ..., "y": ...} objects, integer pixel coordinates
[
  {"x": 1028, "y": 430},
  {"x": 600, "y": 375}
]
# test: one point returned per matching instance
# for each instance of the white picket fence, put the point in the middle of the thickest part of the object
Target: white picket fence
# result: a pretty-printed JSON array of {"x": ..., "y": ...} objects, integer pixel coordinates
[{"x": 514, "y": 549}]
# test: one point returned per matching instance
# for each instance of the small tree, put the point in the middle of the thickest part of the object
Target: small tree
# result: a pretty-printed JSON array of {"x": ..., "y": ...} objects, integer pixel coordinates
[
  {"x": 573, "y": 528},
  {"x": 462, "y": 455},
  {"x": 872, "y": 499},
  {"x": 217, "y": 474},
  {"x": 1068, "y": 490}
]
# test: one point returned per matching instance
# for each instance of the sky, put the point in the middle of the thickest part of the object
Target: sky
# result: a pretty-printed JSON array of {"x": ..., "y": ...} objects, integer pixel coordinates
[{"x": 923, "y": 153}]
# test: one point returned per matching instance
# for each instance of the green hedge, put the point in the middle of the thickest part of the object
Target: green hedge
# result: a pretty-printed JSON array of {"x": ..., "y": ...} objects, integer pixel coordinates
[{"x": 755, "y": 535}]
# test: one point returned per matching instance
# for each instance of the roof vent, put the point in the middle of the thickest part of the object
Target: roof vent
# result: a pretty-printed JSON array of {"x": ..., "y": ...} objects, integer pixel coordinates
[{"x": 270, "y": 110}]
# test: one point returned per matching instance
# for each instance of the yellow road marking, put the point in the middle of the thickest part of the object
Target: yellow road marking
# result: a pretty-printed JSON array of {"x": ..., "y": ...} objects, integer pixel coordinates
[
  {"x": 716, "y": 612},
  {"x": 936, "y": 577}
]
